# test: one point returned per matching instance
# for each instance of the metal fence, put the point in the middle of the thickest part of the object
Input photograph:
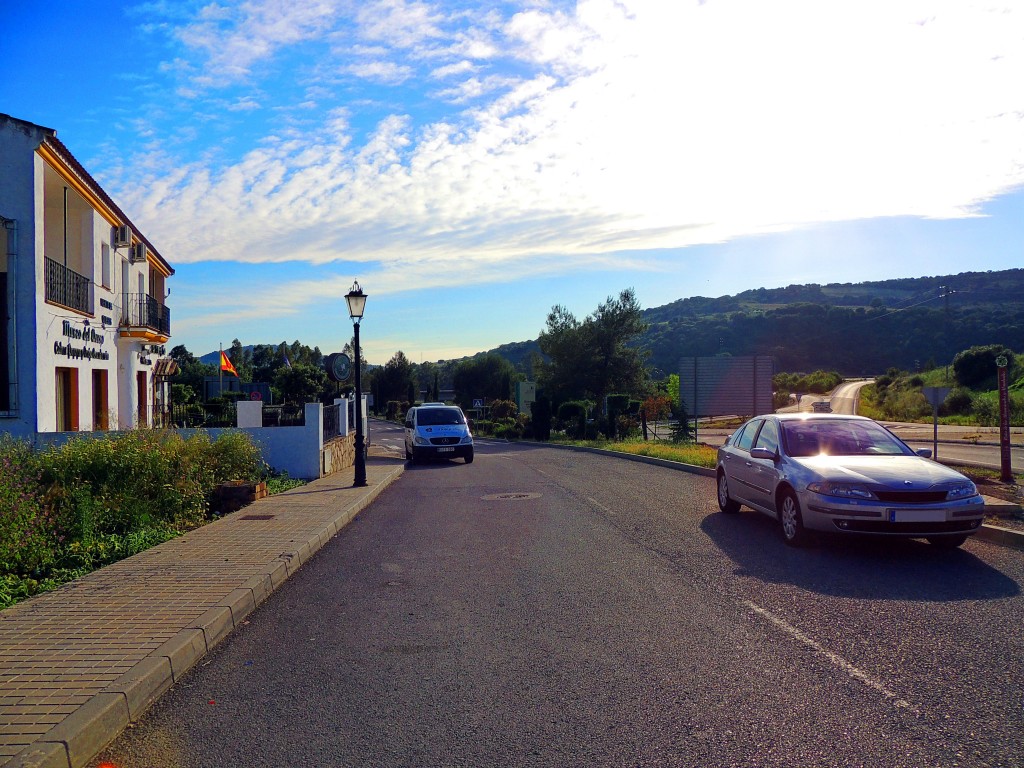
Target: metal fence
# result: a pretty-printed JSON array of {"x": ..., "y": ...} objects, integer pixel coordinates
[
  {"x": 66, "y": 287},
  {"x": 142, "y": 310},
  {"x": 204, "y": 415},
  {"x": 286, "y": 415},
  {"x": 332, "y": 420}
]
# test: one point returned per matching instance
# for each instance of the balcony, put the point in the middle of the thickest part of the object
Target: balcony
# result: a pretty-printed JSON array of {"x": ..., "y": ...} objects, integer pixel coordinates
[
  {"x": 68, "y": 288},
  {"x": 142, "y": 313}
]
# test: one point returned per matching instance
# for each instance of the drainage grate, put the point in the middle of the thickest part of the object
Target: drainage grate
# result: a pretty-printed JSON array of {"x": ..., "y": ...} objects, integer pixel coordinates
[
  {"x": 258, "y": 517},
  {"x": 510, "y": 496}
]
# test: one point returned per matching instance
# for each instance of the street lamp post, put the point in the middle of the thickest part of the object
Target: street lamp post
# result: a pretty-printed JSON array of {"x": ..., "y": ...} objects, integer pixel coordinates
[{"x": 356, "y": 304}]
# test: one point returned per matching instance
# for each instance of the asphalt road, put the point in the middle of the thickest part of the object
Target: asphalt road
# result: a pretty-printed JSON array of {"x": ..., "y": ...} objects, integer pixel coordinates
[{"x": 542, "y": 607}]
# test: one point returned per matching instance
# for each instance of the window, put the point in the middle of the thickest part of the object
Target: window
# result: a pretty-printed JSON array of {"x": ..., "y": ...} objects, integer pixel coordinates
[
  {"x": 769, "y": 437},
  {"x": 745, "y": 440},
  {"x": 106, "y": 265}
]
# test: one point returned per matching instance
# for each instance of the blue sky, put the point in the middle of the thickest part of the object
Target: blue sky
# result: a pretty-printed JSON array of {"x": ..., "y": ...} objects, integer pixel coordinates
[{"x": 475, "y": 163}]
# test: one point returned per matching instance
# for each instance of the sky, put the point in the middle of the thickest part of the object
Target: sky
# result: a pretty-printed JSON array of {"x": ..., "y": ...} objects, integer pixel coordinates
[{"x": 473, "y": 164}]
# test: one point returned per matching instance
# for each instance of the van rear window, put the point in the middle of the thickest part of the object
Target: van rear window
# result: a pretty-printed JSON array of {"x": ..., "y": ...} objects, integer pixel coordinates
[{"x": 431, "y": 417}]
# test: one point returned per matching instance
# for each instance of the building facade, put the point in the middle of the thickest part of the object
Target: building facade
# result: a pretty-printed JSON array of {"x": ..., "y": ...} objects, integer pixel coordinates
[{"x": 83, "y": 319}]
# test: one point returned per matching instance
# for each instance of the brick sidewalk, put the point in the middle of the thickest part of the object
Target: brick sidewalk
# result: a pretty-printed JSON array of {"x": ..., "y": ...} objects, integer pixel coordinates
[{"x": 78, "y": 664}]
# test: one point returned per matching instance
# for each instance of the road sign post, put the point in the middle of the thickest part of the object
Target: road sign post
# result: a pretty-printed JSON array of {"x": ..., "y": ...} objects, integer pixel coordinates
[
  {"x": 936, "y": 396},
  {"x": 1005, "y": 472}
]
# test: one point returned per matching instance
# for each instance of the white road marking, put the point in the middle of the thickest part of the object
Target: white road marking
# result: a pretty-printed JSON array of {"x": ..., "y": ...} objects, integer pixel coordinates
[{"x": 834, "y": 658}]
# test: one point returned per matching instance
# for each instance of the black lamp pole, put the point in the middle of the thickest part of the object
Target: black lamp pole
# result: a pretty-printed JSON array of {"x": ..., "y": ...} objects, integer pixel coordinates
[{"x": 356, "y": 304}]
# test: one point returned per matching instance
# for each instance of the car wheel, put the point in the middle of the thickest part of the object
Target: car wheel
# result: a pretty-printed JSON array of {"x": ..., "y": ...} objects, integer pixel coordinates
[
  {"x": 946, "y": 542},
  {"x": 725, "y": 503},
  {"x": 469, "y": 457},
  {"x": 793, "y": 532},
  {"x": 408, "y": 454}
]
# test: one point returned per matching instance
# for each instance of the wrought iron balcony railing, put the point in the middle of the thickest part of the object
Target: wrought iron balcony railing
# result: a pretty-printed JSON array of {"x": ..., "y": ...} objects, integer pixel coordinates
[
  {"x": 143, "y": 311},
  {"x": 66, "y": 287}
]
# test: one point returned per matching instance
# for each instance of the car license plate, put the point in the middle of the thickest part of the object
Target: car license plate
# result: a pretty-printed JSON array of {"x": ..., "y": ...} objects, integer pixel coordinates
[
  {"x": 917, "y": 515},
  {"x": 445, "y": 450}
]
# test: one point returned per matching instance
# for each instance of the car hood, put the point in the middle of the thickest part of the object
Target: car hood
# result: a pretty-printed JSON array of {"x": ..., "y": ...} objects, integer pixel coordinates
[{"x": 892, "y": 471}]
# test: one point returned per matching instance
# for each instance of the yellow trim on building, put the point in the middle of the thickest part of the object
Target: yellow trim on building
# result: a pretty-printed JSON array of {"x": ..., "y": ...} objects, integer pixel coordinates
[{"x": 61, "y": 169}]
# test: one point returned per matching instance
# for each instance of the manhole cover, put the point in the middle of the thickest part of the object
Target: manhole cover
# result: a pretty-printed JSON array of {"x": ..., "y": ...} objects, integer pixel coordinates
[
  {"x": 257, "y": 517},
  {"x": 510, "y": 496}
]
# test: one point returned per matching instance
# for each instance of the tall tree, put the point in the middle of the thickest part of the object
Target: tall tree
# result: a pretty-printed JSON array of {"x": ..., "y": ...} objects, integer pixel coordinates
[
  {"x": 594, "y": 357},
  {"x": 487, "y": 376},
  {"x": 392, "y": 382}
]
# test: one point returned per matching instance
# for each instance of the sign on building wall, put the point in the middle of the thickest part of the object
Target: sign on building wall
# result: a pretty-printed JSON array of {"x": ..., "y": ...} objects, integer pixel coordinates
[{"x": 726, "y": 386}]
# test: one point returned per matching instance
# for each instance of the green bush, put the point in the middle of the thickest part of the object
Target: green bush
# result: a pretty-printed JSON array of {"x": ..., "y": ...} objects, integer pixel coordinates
[
  {"x": 91, "y": 501},
  {"x": 503, "y": 409},
  {"x": 957, "y": 402},
  {"x": 24, "y": 525}
]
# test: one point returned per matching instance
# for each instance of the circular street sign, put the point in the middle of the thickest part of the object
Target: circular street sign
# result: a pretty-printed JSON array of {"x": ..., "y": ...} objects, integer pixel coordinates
[
  {"x": 1001, "y": 361},
  {"x": 254, "y": 395},
  {"x": 341, "y": 367}
]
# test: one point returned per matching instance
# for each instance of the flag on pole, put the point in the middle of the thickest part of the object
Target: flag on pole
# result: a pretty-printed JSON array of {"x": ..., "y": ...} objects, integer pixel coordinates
[{"x": 225, "y": 364}]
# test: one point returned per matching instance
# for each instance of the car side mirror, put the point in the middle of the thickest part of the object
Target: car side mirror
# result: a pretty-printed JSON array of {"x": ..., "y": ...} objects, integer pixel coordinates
[
  {"x": 763, "y": 453},
  {"x": 924, "y": 453}
]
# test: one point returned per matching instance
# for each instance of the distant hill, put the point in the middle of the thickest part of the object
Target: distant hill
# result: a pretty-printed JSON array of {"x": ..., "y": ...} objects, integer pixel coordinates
[{"x": 854, "y": 328}]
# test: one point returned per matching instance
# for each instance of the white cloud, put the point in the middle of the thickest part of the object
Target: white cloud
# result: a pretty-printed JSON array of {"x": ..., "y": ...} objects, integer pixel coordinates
[
  {"x": 382, "y": 72},
  {"x": 399, "y": 23},
  {"x": 634, "y": 125},
  {"x": 233, "y": 38}
]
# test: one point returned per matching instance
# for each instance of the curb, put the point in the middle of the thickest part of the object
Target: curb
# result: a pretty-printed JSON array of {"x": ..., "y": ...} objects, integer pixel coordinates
[
  {"x": 993, "y": 534},
  {"x": 1005, "y": 537},
  {"x": 88, "y": 730}
]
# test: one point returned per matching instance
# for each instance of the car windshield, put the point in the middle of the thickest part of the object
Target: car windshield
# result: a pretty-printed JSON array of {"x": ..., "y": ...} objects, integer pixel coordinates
[
  {"x": 838, "y": 437},
  {"x": 431, "y": 417}
]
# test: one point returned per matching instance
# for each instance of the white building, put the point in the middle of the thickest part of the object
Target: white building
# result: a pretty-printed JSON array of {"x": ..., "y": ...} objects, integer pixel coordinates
[{"x": 82, "y": 316}]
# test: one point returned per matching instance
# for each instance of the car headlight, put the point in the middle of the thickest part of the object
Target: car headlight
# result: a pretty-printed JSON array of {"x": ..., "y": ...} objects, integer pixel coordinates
[
  {"x": 842, "y": 490},
  {"x": 467, "y": 440},
  {"x": 421, "y": 440},
  {"x": 964, "y": 490}
]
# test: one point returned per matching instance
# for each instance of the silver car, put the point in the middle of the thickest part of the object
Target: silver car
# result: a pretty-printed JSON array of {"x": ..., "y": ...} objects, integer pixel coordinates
[{"x": 843, "y": 474}]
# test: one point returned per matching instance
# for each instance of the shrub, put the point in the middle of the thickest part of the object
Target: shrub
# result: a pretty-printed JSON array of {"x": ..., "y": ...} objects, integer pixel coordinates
[
  {"x": 503, "y": 409},
  {"x": 976, "y": 367},
  {"x": 957, "y": 402},
  {"x": 540, "y": 411},
  {"x": 236, "y": 457},
  {"x": 573, "y": 416},
  {"x": 24, "y": 525}
]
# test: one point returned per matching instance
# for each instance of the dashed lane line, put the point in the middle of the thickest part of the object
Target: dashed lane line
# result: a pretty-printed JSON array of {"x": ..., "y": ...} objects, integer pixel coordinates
[{"x": 834, "y": 658}]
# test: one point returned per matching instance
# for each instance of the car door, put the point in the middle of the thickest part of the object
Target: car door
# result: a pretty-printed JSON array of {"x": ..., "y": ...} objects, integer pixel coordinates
[
  {"x": 763, "y": 473},
  {"x": 739, "y": 469}
]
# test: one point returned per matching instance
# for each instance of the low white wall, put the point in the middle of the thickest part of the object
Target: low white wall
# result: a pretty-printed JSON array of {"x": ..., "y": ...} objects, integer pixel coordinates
[{"x": 295, "y": 450}]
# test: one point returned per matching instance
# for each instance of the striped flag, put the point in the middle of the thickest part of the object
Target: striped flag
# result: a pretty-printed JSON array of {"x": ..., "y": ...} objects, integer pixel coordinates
[{"x": 225, "y": 364}]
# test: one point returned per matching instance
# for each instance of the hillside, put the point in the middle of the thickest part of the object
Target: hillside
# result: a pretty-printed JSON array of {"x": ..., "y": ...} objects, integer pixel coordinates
[{"x": 855, "y": 328}]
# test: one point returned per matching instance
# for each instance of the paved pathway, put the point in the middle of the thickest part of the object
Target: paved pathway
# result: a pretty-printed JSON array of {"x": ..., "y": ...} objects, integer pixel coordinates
[{"x": 78, "y": 664}]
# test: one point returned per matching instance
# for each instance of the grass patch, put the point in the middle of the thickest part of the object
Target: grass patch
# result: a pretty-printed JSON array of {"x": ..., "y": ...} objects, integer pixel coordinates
[{"x": 685, "y": 453}]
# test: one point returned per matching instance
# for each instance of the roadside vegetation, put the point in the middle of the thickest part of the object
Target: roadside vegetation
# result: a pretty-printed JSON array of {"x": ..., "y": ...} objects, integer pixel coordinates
[
  {"x": 68, "y": 510},
  {"x": 973, "y": 398}
]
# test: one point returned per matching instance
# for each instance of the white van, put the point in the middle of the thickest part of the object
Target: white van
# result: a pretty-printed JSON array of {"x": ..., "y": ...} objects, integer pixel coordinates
[{"x": 437, "y": 431}]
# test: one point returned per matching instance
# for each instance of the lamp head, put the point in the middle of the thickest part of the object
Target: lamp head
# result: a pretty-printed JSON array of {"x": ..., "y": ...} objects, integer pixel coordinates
[{"x": 356, "y": 302}]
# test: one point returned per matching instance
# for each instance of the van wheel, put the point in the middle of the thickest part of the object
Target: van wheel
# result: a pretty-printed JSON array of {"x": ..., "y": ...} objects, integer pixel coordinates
[
  {"x": 469, "y": 457},
  {"x": 408, "y": 454}
]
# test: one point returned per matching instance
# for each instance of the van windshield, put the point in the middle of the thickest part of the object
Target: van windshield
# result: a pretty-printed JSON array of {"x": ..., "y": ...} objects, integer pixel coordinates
[{"x": 430, "y": 417}]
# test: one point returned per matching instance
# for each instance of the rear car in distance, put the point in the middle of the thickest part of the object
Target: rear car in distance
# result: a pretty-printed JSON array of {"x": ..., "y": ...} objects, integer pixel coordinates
[{"x": 845, "y": 475}]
